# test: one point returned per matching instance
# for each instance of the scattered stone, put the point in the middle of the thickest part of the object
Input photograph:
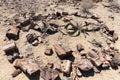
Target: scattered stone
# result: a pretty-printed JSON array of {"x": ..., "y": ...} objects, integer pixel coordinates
[
  {"x": 93, "y": 54},
  {"x": 25, "y": 23},
  {"x": 26, "y": 66},
  {"x": 26, "y": 29},
  {"x": 35, "y": 43},
  {"x": 49, "y": 74},
  {"x": 58, "y": 15},
  {"x": 97, "y": 62},
  {"x": 53, "y": 28},
  {"x": 13, "y": 32},
  {"x": 85, "y": 65},
  {"x": 10, "y": 45},
  {"x": 16, "y": 72},
  {"x": 80, "y": 47},
  {"x": 66, "y": 66},
  {"x": 31, "y": 37},
  {"x": 67, "y": 49},
  {"x": 114, "y": 63},
  {"x": 48, "y": 51},
  {"x": 62, "y": 50},
  {"x": 11, "y": 50},
  {"x": 40, "y": 25},
  {"x": 96, "y": 58}
]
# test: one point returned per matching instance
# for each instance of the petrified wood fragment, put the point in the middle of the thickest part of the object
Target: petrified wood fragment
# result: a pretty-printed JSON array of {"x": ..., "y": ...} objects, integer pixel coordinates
[
  {"x": 31, "y": 37},
  {"x": 10, "y": 45},
  {"x": 62, "y": 50},
  {"x": 48, "y": 51},
  {"x": 80, "y": 47},
  {"x": 13, "y": 32},
  {"x": 49, "y": 74},
  {"x": 26, "y": 66},
  {"x": 85, "y": 65}
]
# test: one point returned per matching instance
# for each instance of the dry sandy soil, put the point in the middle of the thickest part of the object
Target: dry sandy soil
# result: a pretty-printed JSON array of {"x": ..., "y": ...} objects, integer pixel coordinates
[{"x": 7, "y": 68}]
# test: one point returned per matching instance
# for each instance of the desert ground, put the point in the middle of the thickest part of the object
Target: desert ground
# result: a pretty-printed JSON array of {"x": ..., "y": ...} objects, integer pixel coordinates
[{"x": 109, "y": 16}]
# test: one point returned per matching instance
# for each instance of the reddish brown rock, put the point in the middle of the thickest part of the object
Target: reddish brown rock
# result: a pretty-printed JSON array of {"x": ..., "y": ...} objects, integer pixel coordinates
[
  {"x": 26, "y": 66},
  {"x": 28, "y": 27},
  {"x": 12, "y": 32},
  {"x": 10, "y": 45},
  {"x": 95, "y": 59},
  {"x": 48, "y": 51},
  {"x": 93, "y": 54},
  {"x": 67, "y": 49},
  {"x": 80, "y": 47},
  {"x": 62, "y": 50},
  {"x": 97, "y": 62},
  {"x": 49, "y": 74},
  {"x": 85, "y": 65}
]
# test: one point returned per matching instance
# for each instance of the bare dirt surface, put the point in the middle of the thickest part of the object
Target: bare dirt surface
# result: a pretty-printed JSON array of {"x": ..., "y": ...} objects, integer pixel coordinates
[{"x": 52, "y": 6}]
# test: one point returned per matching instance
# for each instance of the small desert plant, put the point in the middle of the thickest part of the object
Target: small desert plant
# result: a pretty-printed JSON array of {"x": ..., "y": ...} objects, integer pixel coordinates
[{"x": 86, "y": 5}]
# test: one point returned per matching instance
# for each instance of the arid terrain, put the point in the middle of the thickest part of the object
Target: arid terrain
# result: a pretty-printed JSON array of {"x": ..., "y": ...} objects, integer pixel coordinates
[{"x": 90, "y": 19}]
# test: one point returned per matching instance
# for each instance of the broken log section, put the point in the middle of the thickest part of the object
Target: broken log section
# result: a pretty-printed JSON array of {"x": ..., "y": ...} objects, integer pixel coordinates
[
  {"x": 26, "y": 66},
  {"x": 62, "y": 51}
]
